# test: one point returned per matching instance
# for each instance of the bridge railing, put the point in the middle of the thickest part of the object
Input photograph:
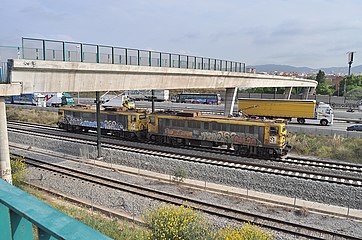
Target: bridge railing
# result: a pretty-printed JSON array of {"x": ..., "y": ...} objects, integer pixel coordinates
[
  {"x": 43, "y": 49},
  {"x": 7, "y": 52},
  {"x": 19, "y": 212}
]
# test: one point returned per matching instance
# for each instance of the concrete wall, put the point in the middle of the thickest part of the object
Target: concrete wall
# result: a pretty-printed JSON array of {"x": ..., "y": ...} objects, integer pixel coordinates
[{"x": 54, "y": 76}]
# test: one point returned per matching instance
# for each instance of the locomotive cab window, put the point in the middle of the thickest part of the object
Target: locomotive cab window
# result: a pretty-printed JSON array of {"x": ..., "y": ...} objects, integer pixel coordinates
[
  {"x": 133, "y": 118},
  {"x": 273, "y": 131},
  {"x": 152, "y": 120}
]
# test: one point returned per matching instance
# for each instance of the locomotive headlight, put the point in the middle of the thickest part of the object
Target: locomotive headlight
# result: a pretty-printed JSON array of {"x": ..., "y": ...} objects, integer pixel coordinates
[{"x": 273, "y": 139}]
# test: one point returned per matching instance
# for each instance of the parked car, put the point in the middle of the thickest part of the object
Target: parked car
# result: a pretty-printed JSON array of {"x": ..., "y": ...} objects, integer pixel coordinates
[{"x": 355, "y": 127}]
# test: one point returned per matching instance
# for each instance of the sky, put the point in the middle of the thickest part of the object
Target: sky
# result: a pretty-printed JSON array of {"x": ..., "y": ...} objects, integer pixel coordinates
[{"x": 311, "y": 33}]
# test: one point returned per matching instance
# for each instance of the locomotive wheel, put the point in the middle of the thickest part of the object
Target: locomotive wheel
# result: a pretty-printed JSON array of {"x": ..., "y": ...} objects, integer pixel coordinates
[
  {"x": 153, "y": 138},
  {"x": 173, "y": 141},
  {"x": 243, "y": 151}
]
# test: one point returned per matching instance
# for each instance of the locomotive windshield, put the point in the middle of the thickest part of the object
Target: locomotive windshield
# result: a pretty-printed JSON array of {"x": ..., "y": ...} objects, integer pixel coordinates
[{"x": 273, "y": 131}]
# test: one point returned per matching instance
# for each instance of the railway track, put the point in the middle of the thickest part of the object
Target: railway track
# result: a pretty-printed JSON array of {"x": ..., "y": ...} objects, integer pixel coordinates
[
  {"x": 314, "y": 162},
  {"x": 296, "y": 229},
  {"x": 286, "y": 171}
]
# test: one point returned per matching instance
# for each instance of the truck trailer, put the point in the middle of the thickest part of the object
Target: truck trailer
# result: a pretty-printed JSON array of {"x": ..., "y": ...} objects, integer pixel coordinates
[{"x": 304, "y": 111}]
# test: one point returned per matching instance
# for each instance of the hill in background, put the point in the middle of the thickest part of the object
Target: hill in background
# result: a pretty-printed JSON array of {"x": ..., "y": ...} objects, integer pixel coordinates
[{"x": 287, "y": 68}]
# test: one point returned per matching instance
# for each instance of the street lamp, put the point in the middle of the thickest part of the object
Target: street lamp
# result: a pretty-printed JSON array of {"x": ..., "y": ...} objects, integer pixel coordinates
[{"x": 350, "y": 61}]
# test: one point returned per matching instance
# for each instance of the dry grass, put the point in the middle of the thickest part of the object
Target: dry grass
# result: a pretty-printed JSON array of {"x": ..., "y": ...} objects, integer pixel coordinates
[
  {"x": 114, "y": 228},
  {"x": 302, "y": 212},
  {"x": 336, "y": 147},
  {"x": 31, "y": 115}
]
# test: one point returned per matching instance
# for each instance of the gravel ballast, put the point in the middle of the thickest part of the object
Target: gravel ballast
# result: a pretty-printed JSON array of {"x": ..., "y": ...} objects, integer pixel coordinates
[
  {"x": 316, "y": 191},
  {"x": 334, "y": 194}
]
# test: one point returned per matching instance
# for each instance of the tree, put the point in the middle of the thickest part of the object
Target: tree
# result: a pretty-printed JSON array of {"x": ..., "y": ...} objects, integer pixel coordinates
[
  {"x": 324, "y": 87},
  {"x": 321, "y": 77},
  {"x": 353, "y": 82},
  {"x": 355, "y": 94}
]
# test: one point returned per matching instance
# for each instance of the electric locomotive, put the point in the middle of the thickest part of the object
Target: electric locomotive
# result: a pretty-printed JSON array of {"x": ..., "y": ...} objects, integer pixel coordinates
[
  {"x": 128, "y": 124},
  {"x": 248, "y": 137}
]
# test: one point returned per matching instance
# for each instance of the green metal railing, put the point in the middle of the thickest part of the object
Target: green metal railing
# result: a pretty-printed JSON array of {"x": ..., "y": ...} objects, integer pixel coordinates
[
  {"x": 43, "y": 49},
  {"x": 19, "y": 212}
]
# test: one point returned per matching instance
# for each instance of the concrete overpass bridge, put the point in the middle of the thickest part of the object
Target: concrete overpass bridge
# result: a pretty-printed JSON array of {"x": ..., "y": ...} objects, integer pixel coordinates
[{"x": 56, "y": 66}]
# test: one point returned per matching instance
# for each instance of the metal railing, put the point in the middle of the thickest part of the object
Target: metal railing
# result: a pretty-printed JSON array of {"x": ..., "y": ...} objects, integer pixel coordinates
[
  {"x": 19, "y": 212},
  {"x": 7, "y": 52},
  {"x": 42, "y": 49}
]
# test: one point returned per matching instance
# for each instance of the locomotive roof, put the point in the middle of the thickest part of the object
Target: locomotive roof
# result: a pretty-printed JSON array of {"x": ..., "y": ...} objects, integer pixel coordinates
[
  {"x": 91, "y": 108},
  {"x": 199, "y": 116}
]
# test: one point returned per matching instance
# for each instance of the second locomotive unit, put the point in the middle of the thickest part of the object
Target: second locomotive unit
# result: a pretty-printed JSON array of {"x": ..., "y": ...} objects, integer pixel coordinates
[{"x": 248, "y": 137}]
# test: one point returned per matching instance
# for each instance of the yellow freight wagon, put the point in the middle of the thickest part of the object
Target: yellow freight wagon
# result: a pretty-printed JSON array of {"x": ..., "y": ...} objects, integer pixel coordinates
[{"x": 278, "y": 108}]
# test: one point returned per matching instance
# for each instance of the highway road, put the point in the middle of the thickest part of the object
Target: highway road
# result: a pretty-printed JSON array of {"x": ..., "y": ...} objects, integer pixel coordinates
[
  {"x": 205, "y": 108},
  {"x": 338, "y": 125}
]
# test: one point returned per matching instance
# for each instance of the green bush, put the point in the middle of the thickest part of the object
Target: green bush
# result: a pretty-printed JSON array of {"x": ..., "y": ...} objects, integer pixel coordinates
[
  {"x": 171, "y": 222},
  {"x": 247, "y": 232},
  {"x": 179, "y": 174},
  {"x": 18, "y": 171}
]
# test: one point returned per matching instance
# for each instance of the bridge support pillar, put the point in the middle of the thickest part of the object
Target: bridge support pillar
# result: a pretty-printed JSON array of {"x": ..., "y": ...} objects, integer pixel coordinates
[
  {"x": 306, "y": 92},
  {"x": 5, "y": 167},
  {"x": 230, "y": 96},
  {"x": 288, "y": 92}
]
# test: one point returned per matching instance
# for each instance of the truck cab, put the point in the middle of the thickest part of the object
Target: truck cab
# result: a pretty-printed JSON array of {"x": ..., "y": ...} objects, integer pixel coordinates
[{"x": 324, "y": 114}]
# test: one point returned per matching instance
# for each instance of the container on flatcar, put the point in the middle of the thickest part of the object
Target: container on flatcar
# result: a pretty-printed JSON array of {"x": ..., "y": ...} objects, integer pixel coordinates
[{"x": 127, "y": 124}]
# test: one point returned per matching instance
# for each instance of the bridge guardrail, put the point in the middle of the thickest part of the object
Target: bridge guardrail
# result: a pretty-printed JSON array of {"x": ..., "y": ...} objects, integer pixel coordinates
[
  {"x": 43, "y": 49},
  {"x": 19, "y": 212}
]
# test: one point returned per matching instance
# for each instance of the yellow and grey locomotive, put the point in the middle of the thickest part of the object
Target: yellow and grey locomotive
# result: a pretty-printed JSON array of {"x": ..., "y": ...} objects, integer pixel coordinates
[
  {"x": 125, "y": 124},
  {"x": 263, "y": 138}
]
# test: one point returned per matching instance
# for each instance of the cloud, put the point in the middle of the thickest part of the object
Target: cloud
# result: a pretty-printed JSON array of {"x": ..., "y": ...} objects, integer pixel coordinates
[{"x": 310, "y": 32}]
